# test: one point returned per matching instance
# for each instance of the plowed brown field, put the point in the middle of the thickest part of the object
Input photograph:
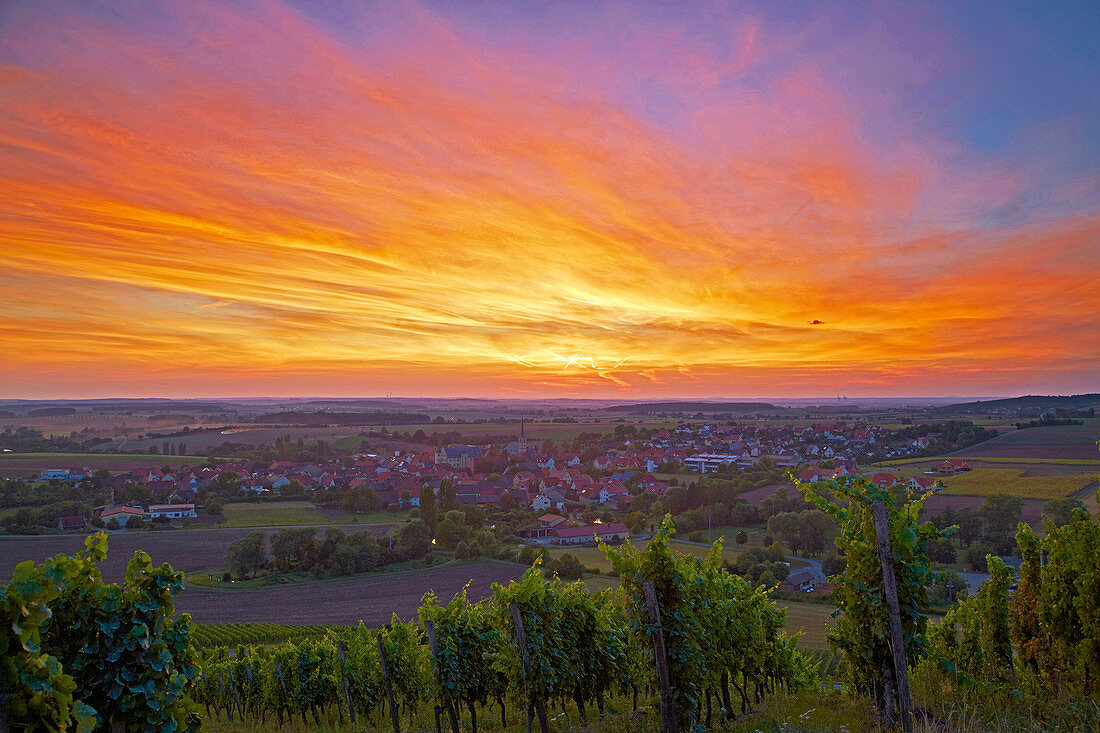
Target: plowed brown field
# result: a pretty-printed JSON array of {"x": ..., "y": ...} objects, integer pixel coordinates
[{"x": 345, "y": 601}]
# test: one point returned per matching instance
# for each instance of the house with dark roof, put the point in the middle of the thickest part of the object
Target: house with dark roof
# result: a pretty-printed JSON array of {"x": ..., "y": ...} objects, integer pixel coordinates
[
  {"x": 458, "y": 456},
  {"x": 73, "y": 522}
]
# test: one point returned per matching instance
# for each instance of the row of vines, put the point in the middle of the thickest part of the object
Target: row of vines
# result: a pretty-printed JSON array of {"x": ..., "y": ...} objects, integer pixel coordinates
[
  {"x": 230, "y": 635},
  {"x": 1042, "y": 638},
  {"x": 537, "y": 643}
]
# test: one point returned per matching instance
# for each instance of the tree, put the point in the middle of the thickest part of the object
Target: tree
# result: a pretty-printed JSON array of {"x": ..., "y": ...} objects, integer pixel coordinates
[
  {"x": 447, "y": 499},
  {"x": 452, "y": 530},
  {"x": 428, "y": 512},
  {"x": 942, "y": 551},
  {"x": 861, "y": 634},
  {"x": 293, "y": 547},
  {"x": 741, "y": 538},
  {"x": 832, "y": 564},
  {"x": 1001, "y": 513},
  {"x": 414, "y": 536},
  {"x": 226, "y": 482},
  {"x": 566, "y": 567},
  {"x": 1060, "y": 511},
  {"x": 246, "y": 555}
]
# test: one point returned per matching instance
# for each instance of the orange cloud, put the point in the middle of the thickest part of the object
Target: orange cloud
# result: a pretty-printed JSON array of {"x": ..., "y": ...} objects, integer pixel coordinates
[{"x": 433, "y": 220}]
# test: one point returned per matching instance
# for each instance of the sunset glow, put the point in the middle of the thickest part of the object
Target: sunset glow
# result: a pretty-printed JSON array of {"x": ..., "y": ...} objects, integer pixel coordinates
[{"x": 267, "y": 198}]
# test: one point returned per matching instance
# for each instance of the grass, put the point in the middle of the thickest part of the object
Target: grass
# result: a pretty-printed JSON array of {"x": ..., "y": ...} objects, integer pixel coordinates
[
  {"x": 295, "y": 513},
  {"x": 812, "y": 619},
  {"x": 805, "y": 711},
  {"x": 593, "y": 557},
  {"x": 990, "y": 481}
]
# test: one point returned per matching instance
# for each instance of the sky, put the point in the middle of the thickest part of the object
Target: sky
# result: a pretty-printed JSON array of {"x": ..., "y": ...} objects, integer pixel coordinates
[{"x": 557, "y": 199}]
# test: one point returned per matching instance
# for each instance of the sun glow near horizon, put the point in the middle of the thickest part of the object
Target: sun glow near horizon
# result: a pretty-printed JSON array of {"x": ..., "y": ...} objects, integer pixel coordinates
[{"x": 421, "y": 199}]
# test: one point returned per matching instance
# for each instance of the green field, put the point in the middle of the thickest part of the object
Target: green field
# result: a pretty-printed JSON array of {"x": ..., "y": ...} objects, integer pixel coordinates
[
  {"x": 990, "y": 481},
  {"x": 593, "y": 557},
  {"x": 812, "y": 619},
  {"x": 290, "y": 513}
]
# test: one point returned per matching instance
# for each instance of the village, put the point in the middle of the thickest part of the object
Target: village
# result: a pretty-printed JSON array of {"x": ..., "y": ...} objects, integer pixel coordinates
[{"x": 574, "y": 497}]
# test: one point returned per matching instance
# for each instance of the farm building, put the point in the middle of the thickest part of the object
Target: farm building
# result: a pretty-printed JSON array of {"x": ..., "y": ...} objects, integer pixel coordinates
[
  {"x": 123, "y": 514},
  {"x": 581, "y": 535},
  {"x": 802, "y": 582},
  {"x": 171, "y": 511},
  {"x": 75, "y": 521},
  {"x": 952, "y": 465}
]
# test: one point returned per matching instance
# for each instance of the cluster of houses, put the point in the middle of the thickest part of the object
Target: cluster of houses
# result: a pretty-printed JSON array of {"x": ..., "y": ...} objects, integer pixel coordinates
[
  {"x": 124, "y": 516},
  {"x": 554, "y": 481},
  {"x": 709, "y": 447}
]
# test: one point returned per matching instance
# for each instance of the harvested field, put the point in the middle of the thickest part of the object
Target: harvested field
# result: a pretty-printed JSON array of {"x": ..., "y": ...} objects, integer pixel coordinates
[
  {"x": 27, "y": 465},
  {"x": 246, "y": 435},
  {"x": 345, "y": 601},
  {"x": 1028, "y": 466},
  {"x": 990, "y": 481},
  {"x": 1060, "y": 441},
  {"x": 536, "y": 431},
  {"x": 187, "y": 550}
]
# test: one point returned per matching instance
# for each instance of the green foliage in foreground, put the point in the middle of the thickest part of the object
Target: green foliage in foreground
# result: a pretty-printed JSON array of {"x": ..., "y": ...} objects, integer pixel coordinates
[{"x": 79, "y": 653}]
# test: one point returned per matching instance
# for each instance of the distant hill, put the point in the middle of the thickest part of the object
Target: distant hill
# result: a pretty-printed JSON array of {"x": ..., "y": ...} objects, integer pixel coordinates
[
  {"x": 646, "y": 407},
  {"x": 342, "y": 418},
  {"x": 1030, "y": 402}
]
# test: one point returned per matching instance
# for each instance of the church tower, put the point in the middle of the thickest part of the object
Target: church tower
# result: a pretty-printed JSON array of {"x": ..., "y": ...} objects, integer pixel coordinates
[{"x": 522, "y": 439}]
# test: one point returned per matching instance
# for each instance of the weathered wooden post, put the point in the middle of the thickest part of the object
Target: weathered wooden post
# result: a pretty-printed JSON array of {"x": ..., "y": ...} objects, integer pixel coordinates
[
  {"x": 433, "y": 644},
  {"x": 344, "y": 677},
  {"x": 521, "y": 639},
  {"x": 668, "y": 707},
  {"x": 890, "y": 590},
  {"x": 389, "y": 686},
  {"x": 221, "y": 687}
]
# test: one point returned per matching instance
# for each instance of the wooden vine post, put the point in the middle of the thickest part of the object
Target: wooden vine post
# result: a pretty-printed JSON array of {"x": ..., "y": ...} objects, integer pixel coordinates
[
  {"x": 521, "y": 639},
  {"x": 344, "y": 677},
  {"x": 897, "y": 640},
  {"x": 433, "y": 644},
  {"x": 668, "y": 707},
  {"x": 221, "y": 688},
  {"x": 389, "y": 686}
]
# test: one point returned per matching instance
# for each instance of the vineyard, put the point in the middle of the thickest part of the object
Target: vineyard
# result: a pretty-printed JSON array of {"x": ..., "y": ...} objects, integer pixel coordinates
[
  {"x": 232, "y": 635},
  {"x": 536, "y": 644},
  {"x": 681, "y": 645}
]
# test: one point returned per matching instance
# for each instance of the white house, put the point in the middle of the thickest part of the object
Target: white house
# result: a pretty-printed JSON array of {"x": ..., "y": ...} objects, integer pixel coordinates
[{"x": 171, "y": 511}]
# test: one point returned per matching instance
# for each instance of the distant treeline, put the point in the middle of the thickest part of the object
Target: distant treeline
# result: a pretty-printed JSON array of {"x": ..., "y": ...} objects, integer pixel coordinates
[
  {"x": 343, "y": 418},
  {"x": 52, "y": 412},
  {"x": 694, "y": 407},
  {"x": 188, "y": 407},
  {"x": 1031, "y": 402},
  {"x": 29, "y": 440},
  {"x": 1047, "y": 422}
]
